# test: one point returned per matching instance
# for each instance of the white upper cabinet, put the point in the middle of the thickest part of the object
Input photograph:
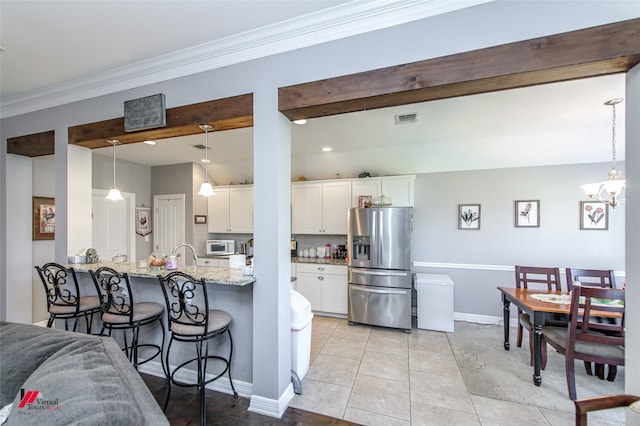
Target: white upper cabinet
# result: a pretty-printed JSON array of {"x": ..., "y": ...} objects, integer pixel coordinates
[
  {"x": 320, "y": 207},
  {"x": 399, "y": 189},
  {"x": 231, "y": 210}
]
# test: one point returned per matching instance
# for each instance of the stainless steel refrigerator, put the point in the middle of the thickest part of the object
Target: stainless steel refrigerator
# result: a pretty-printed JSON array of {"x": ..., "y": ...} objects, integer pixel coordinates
[{"x": 379, "y": 247}]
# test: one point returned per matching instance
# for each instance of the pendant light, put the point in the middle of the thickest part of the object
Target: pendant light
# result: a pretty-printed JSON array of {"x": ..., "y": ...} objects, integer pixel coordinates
[
  {"x": 614, "y": 185},
  {"x": 206, "y": 189},
  {"x": 114, "y": 193}
]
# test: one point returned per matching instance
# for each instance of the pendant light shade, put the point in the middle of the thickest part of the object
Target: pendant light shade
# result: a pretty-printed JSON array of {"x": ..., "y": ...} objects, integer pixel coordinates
[
  {"x": 114, "y": 193},
  {"x": 206, "y": 189},
  {"x": 610, "y": 190}
]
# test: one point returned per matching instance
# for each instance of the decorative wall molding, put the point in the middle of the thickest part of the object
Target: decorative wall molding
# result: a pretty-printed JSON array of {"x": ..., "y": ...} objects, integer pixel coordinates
[
  {"x": 271, "y": 407},
  {"x": 338, "y": 22}
]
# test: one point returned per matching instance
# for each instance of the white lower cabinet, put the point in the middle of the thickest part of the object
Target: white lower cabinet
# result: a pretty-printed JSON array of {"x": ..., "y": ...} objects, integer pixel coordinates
[
  {"x": 324, "y": 286},
  {"x": 216, "y": 263}
]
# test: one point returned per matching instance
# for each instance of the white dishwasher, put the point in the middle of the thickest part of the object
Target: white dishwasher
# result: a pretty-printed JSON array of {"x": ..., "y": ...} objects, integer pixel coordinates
[{"x": 434, "y": 302}]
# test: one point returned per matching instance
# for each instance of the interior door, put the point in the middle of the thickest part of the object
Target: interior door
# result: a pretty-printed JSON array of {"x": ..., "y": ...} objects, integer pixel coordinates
[
  {"x": 168, "y": 222},
  {"x": 112, "y": 229}
]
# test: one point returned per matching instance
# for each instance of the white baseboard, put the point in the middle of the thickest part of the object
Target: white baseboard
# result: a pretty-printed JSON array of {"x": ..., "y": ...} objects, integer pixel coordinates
[
  {"x": 272, "y": 407},
  {"x": 478, "y": 319},
  {"x": 244, "y": 389}
]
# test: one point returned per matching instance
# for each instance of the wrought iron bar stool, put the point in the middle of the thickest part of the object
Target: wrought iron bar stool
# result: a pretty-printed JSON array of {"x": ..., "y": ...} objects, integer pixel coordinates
[
  {"x": 63, "y": 296},
  {"x": 191, "y": 320},
  {"x": 120, "y": 312}
]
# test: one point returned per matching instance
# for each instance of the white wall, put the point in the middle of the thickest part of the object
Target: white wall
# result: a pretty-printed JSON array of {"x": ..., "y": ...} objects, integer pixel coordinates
[
  {"x": 481, "y": 260},
  {"x": 43, "y": 250}
]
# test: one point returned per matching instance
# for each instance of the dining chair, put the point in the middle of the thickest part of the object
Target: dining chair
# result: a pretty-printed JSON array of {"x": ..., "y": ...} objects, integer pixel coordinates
[
  {"x": 537, "y": 277},
  {"x": 587, "y": 405},
  {"x": 586, "y": 338},
  {"x": 64, "y": 300},
  {"x": 595, "y": 278}
]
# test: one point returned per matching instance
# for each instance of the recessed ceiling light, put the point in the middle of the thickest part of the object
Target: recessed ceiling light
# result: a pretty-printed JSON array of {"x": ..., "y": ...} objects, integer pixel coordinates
[
  {"x": 302, "y": 121},
  {"x": 150, "y": 142},
  {"x": 204, "y": 160},
  {"x": 327, "y": 149}
]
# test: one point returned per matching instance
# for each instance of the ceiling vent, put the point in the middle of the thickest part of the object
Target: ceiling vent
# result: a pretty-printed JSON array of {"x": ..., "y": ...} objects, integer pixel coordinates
[
  {"x": 200, "y": 146},
  {"x": 407, "y": 118}
]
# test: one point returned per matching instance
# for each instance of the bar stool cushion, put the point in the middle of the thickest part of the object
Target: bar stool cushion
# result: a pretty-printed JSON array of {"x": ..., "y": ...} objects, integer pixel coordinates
[
  {"x": 141, "y": 311},
  {"x": 87, "y": 303},
  {"x": 217, "y": 320}
]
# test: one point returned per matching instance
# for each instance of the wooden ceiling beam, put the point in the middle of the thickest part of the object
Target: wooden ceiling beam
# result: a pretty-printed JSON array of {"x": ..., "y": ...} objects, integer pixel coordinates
[
  {"x": 591, "y": 52},
  {"x": 35, "y": 145},
  {"x": 223, "y": 114}
]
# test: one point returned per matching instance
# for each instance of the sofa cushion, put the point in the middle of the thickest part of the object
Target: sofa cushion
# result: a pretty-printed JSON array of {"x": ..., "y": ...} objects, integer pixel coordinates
[{"x": 88, "y": 380}]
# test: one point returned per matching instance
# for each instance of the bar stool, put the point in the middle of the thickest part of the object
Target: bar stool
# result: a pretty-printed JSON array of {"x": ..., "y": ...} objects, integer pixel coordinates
[
  {"x": 63, "y": 296},
  {"x": 120, "y": 312},
  {"x": 191, "y": 320}
]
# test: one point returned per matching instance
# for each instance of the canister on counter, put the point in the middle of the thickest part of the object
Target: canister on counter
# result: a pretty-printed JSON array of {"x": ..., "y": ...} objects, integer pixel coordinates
[{"x": 172, "y": 262}]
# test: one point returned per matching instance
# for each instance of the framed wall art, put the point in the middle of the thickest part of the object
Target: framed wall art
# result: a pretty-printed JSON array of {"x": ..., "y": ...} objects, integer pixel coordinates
[
  {"x": 200, "y": 219},
  {"x": 594, "y": 215},
  {"x": 469, "y": 216},
  {"x": 527, "y": 213},
  {"x": 143, "y": 221},
  {"x": 44, "y": 218}
]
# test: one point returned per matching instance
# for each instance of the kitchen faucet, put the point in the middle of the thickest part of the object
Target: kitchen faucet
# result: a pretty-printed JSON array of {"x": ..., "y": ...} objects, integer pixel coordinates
[{"x": 195, "y": 256}]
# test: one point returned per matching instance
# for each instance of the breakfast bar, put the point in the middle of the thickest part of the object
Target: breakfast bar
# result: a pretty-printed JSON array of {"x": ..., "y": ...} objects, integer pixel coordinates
[{"x": 228, "y": 289}]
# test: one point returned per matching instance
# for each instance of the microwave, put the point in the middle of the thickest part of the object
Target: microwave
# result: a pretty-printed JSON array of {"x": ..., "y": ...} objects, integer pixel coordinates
[{"x": 220, "y": 247}]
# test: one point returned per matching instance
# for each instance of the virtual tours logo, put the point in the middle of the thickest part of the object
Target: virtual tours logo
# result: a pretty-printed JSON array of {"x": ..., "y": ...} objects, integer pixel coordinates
[{"x": 33, "y": 400}]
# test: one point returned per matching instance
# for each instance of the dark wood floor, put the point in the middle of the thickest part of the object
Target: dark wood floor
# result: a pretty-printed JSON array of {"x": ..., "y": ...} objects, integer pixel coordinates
[{"x": 223, "y": 409}]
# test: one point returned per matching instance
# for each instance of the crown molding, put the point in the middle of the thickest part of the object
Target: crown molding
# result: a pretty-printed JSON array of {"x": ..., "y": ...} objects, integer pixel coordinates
[{"x": 338, "y": 22}]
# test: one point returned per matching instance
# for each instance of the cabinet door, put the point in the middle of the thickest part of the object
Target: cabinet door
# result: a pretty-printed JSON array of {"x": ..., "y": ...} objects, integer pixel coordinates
[
  {"x": 336, "y": 201},
  {"x": 400, "y": 189},
  {"x": 219, "y": 210},
  {"x": 306, "y": 208},
  {"x": 362, "y": 187},
  {"x": 241, "y": 210},
  {"x": 310, "y": 287},
  {"x": 334, "y": 294}
]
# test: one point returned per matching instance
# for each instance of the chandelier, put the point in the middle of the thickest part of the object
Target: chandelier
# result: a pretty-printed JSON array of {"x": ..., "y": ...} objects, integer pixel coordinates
[{"x": 614, "y": 185}]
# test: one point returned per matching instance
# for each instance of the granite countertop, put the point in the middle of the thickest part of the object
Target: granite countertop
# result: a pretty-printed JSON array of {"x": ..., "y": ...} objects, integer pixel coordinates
[
  {"x": 213, "y": 275},
  {"x": 319, "y": 260}
]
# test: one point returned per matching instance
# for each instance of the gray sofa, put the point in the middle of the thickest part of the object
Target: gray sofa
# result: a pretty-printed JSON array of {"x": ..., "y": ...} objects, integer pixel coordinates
[{"x": 55, "y": 377}]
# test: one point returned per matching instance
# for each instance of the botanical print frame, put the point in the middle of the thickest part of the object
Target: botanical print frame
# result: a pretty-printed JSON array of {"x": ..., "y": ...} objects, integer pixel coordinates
[
  {"x": 469, "y": 216},
  {"x": 200, "y": 219},
  {"x": 527, "y": 213},
  {"x": 44, "y": 218},
  {"x": 594, "y": 215},
  {"x": 143, "y": 221}
]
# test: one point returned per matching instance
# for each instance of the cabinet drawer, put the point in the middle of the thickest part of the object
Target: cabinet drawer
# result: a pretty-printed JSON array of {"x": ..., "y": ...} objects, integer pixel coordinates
[{"x": 321, "y": 269}]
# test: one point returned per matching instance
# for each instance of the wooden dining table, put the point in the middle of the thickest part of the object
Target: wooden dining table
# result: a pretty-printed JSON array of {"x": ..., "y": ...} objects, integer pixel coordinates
[{"x": 537, "y": 310}]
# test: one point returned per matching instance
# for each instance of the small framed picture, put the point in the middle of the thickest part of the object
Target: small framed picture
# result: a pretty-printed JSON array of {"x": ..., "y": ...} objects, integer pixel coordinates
[
  {"x": 527, "y": 213},
  {"x": 200, "y": 219},
  {"x": 44, "y": 218},
  {"x": 594, "y": 215},
  {"x": 469, "y": 216},
  {"x": 364, "y": 201}
]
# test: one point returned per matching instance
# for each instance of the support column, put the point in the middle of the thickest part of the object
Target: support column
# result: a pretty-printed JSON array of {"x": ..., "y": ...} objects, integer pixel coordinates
[{"x": 272, "y": 389}]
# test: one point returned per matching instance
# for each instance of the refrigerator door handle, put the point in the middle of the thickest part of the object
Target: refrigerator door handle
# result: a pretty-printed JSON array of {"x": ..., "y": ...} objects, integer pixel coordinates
[
  {"x": 380, "y": 273},
  {"x": 381, "y": 291}
]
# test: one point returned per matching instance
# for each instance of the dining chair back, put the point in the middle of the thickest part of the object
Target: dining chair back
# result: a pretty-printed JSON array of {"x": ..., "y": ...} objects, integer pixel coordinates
[
  {"x": 586, "y": 338},
  {"x": 590, "y": 277},
  {"x": 538, "y": 278}
]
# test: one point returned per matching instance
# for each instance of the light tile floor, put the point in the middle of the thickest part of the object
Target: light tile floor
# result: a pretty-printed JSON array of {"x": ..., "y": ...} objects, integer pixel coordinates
[{"x": 420, "y": 384}]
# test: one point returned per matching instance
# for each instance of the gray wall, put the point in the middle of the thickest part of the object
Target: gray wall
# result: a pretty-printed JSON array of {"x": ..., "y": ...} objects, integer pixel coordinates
[
  {"x": 130, "y": 177},
  {"x": 481, "y": 260}
]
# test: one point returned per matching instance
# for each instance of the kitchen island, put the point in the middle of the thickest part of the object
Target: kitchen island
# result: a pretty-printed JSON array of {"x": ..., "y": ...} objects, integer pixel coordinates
[{"x": 228, "y": 290}]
